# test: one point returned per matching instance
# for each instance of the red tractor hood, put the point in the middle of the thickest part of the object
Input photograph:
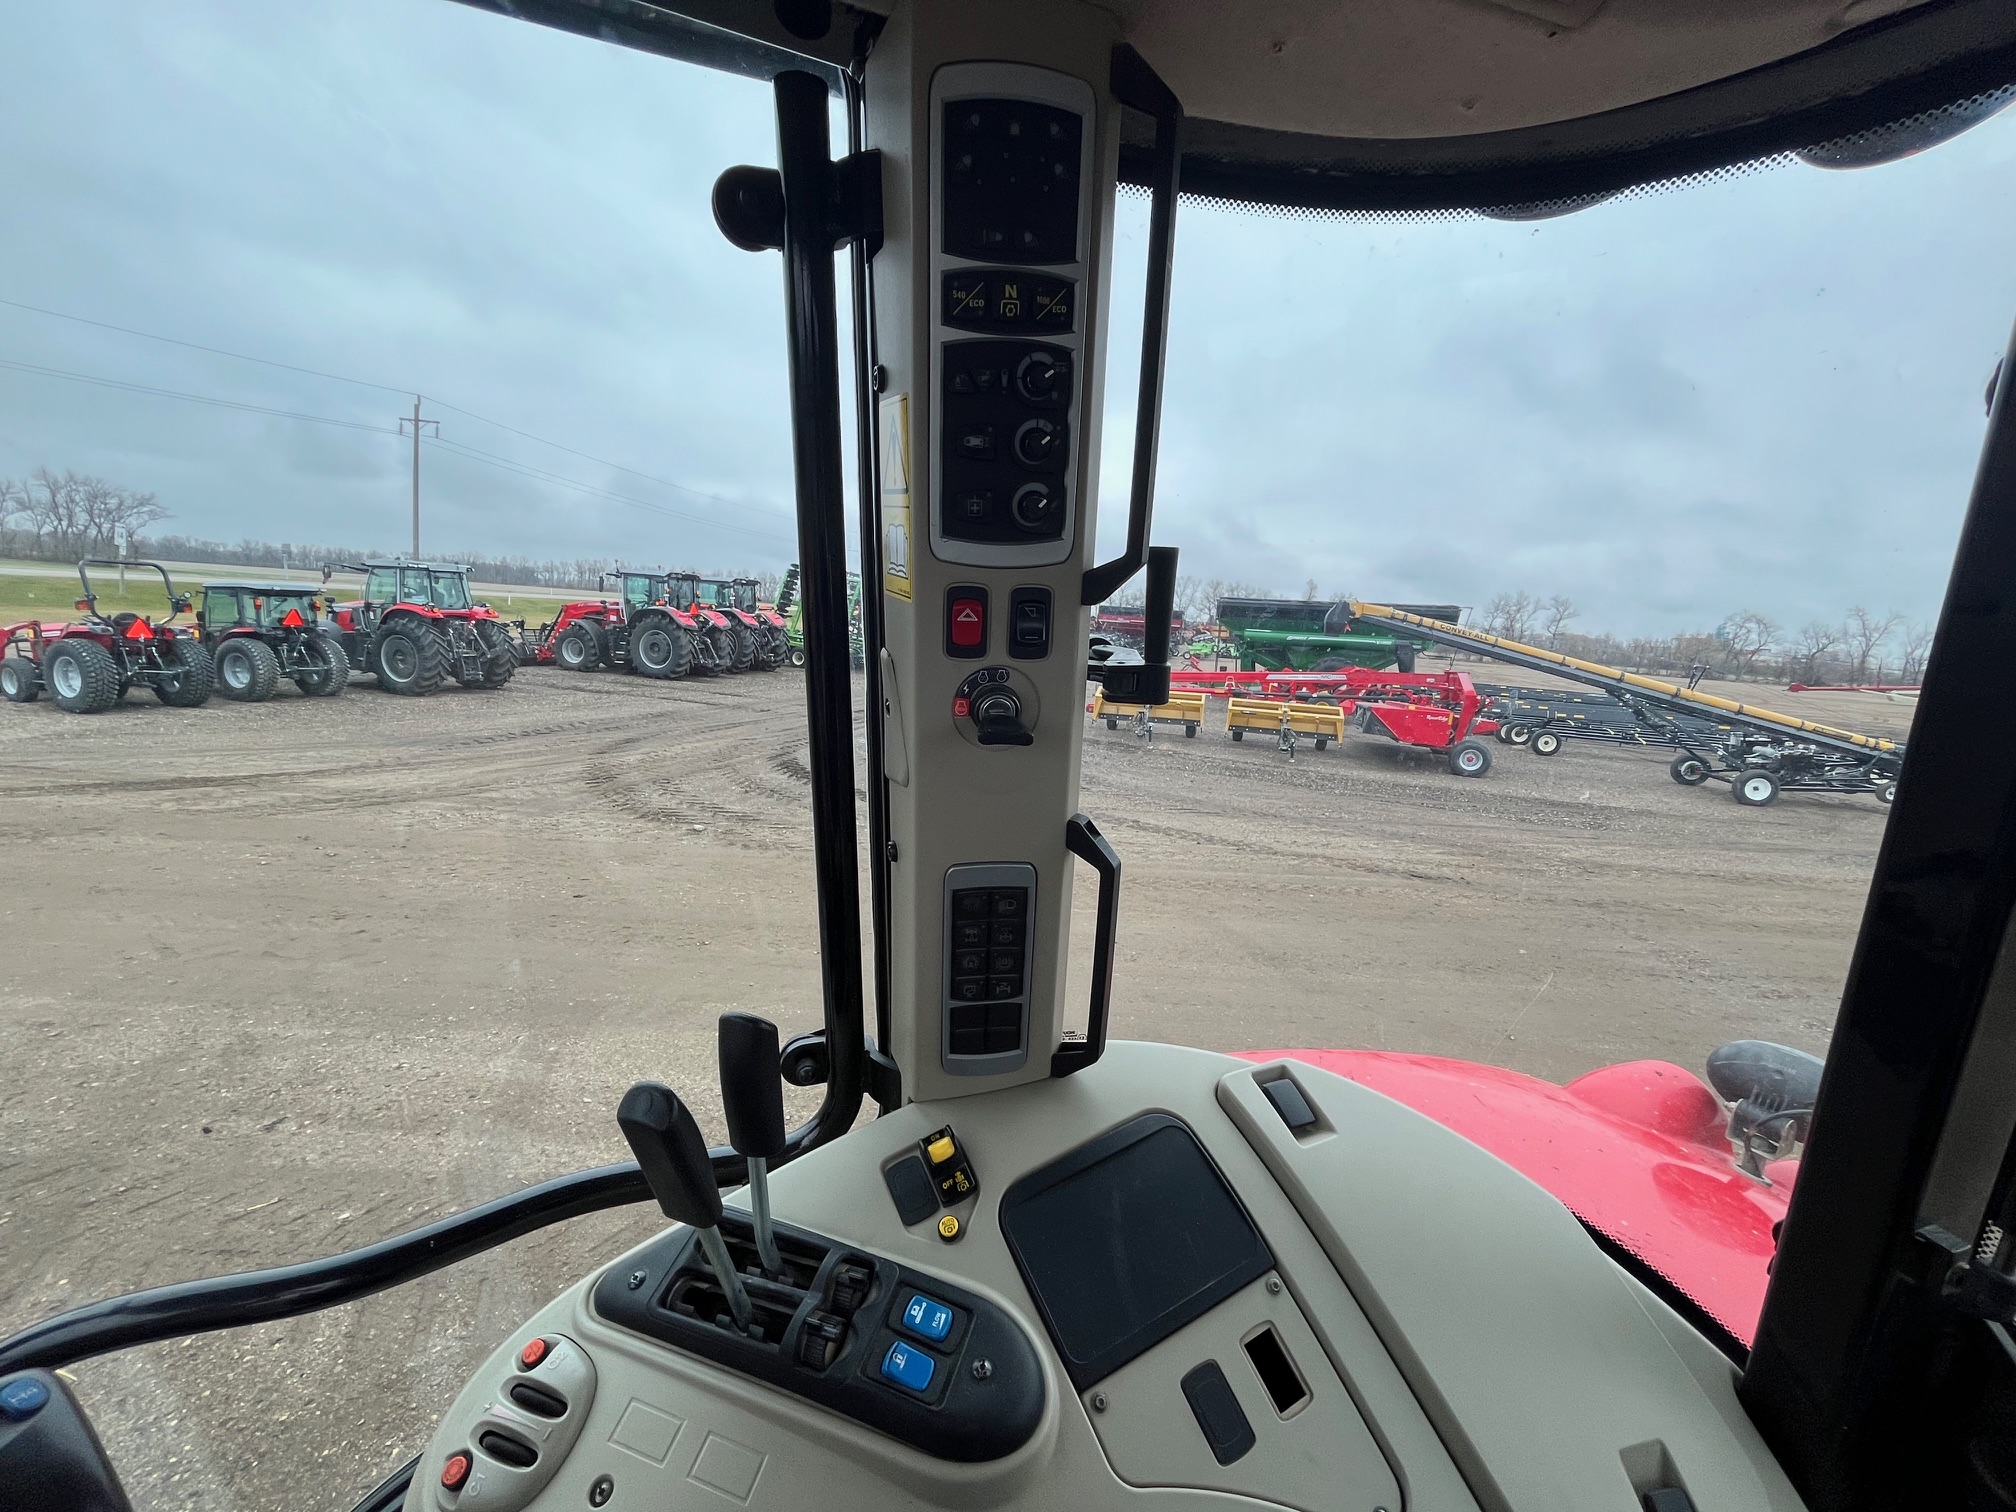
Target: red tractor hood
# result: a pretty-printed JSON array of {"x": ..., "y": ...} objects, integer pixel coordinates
[{"x": 1636, "y": 1151}]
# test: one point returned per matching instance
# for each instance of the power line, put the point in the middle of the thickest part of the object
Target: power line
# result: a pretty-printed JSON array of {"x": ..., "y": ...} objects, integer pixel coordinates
[
  {"x": 209, "y": 399},
  {"x": 197, "y": 346}
]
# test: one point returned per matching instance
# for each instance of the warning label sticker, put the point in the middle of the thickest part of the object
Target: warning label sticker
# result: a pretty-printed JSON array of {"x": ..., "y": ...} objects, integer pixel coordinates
[{"x": 893, "y": 445}]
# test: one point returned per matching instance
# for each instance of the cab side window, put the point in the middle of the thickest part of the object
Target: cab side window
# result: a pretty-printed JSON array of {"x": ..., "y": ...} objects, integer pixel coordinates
[
  {"x": 382, "y": 586},
  {"x": 220, "y": 609},
  {"x": 636, "y": 591}
]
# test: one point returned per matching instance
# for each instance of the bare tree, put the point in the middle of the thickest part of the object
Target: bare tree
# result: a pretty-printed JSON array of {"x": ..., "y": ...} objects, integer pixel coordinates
[
  {"x": 1863, "y": 633},
  {"x": 1814, "y": 644},
  {"x": 1745, "y": 637},
  {"x": 1309, "y": 591},
  {"x": 1510, "y": 616},
  {"x": 75, "y": 515},
  {"x": 1917, "y": 646},
  {"x": 1554, "y": 616}
]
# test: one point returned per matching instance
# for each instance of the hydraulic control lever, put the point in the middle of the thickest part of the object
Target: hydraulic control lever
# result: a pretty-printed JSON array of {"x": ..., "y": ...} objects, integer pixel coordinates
[
  {"x": 661, "y": 1130},
  {"x": 753, "y": 1097}
]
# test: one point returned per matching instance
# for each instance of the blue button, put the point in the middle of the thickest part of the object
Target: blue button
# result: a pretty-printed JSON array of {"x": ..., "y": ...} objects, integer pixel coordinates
[
  {"x": 909, "y": 1368},
  {"x": 926, "y": 1318},
  {"x": 24, "y": 1398}
]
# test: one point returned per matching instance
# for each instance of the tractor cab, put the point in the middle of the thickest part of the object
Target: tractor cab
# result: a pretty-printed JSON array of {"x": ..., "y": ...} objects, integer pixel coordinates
[{"x": 1061, "y": 1266}]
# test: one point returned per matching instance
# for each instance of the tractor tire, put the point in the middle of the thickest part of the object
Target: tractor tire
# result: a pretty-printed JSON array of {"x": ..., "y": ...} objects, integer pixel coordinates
[
  {"x": 247, "y": 669},
  {"x": 1756, "y": 788},
  {"x": 407, "y": 660},
  {"x": 659, "y": 648},
  {"x": 1886, "y": 792},
  {"x": 1546, "y": 743},
  {"x": 500, "y": 655},
  {"x": 1688, "y": 770},
  {"x": 743, "y": 641},
  {"x": 1519, "y": 734},
  {"x": 797, "y": 657},
  {"x": 579, "y": 648},
  {"x": 332, "y": 677},
  {"x": 1403, "y": 656},
  {"x": 191, "y": 687},
  {"x": 1469, "y": 758},
  {"x": 19, "y": 681},
  {"x": 723, "y": 642},
  {"x": 82, "y": 677}
]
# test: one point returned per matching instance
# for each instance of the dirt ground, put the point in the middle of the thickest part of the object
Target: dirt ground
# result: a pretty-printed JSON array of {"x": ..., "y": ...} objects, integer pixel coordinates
[{"x": 284, "y": 979}]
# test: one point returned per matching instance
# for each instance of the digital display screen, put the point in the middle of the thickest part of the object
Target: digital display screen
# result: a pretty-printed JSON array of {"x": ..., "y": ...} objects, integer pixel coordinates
[{"x": 1125, "y": 1241}]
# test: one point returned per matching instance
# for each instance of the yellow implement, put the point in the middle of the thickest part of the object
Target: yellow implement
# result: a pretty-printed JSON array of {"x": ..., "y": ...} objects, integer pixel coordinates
[
  {"x": 1324, "y": 721},
  {"x": 1184, "y": 708}
]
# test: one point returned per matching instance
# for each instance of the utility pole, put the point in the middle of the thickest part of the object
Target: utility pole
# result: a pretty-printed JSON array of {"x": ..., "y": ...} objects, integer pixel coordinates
[{"x": 416, "y": 422}]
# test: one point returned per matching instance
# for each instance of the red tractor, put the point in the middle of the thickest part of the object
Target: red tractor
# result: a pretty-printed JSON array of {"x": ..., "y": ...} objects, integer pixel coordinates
[
  {"x": 87, "y": 667},
  {"x": 759, "y": 636},
  {"x": 417, "y": 625},
  {"x": 654, "y": 629},
  {"x": 262, "y": 632}
]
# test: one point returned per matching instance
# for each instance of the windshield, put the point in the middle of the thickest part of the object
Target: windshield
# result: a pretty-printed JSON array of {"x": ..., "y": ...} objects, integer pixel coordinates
[
  {"x": 1720, "y": 434},
  {"x": 450, "y": 591}
]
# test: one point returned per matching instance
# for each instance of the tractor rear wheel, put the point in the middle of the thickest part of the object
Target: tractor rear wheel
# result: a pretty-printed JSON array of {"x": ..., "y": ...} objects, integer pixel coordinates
[
  {"x": 82, "y": 677},
  {"x": 1469, "y": 758},
  {"x": 19, "y": 682},
  {"x": 742, "y": 641},
  {"x": 194, "y": 676},
  {"x": 1546, "y": 743},
  {"x": 247, "y": 669},
  {"x": 407, "y": 660},
  {"x": 1688, "y": 770},
  {"x": 332, "y": 676},
  {"x": 1755, "y": 789},
  {"x": 659, "y": 648},
  {"x": 500, "y": 656},
  {"x": 579, "y": 647}
]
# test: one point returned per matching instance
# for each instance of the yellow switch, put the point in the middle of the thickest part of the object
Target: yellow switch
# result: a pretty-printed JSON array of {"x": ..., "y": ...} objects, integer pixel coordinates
[
  {"x": 948, "y": 1228},
  {"x": 941, "y": 1149}
]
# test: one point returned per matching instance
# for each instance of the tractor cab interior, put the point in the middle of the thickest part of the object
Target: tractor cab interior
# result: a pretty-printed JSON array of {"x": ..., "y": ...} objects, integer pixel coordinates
[{"x": 1061, "y": 1269}]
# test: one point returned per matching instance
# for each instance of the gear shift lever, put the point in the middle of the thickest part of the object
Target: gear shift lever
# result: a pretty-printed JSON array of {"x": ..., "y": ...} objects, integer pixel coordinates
[
  {"x": 674, "y": 1157},
  {"x": 753, "y": 1097}
]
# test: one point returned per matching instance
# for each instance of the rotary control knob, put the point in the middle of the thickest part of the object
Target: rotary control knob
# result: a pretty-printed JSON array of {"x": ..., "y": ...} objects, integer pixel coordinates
[
  {"x": 1035, "y": 507},
  {"x": 1042, "y": 377},
  {"x": 1039, "y": 443}
]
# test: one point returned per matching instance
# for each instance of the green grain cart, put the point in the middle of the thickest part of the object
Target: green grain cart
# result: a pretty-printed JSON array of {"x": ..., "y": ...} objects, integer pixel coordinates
[
  {"x": 1317, "y": 635},
  {"x": 790, "y": 606}
]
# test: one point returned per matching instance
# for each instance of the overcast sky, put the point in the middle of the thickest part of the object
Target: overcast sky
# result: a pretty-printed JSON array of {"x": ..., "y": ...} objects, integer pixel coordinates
[{"x": 1760, "y": 393}]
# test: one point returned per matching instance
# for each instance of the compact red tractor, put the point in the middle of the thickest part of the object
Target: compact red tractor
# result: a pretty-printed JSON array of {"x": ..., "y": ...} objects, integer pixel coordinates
[
  {"x": 654, "y": 629},
  {"x": 262, "y": 632},
  {"x": 417, "y": 625},
  {"x": 758, "y": 632},
  {"x": 88, "y": 666}
]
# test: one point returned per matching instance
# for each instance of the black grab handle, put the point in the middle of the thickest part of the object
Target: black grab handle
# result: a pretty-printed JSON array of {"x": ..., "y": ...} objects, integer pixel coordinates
[
  {"x": 1083, "y": 840},
  {"x": 1136, "y": 85}
]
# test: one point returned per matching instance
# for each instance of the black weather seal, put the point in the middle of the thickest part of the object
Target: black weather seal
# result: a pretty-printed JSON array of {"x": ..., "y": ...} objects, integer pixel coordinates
[
  {"x": 733, "y": 36},
  {"x": 288, "y": 1291},
  {"x": 1691, "y": 1312}
]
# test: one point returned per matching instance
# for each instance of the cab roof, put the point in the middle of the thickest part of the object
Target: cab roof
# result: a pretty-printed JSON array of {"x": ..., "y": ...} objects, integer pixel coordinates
[
  {"x": 1427, "y": 105},
  {"x": 225, "y": 585}
]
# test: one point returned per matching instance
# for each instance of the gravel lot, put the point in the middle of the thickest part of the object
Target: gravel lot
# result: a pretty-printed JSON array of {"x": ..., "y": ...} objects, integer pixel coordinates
[{"x": 284, "y": 979}]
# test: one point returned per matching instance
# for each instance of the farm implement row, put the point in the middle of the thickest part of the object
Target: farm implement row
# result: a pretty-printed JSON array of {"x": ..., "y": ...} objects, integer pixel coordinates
[
  {"x": 663, "y": 624},
  {"x": 1758, "y": 752}
]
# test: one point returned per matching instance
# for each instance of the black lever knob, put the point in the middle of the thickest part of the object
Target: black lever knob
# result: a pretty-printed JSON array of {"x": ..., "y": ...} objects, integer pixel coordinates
[
  {"x": 672, "y": 1152},
  {"x": 752, "y": 1093},
  {"x": 753, "y": 1097}
]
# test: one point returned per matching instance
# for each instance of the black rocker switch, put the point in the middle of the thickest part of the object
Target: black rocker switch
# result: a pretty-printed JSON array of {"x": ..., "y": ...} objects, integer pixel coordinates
[
  {"x": 1029, "y": 624},
  {"x": 753, "y": 1098},
  {"x": 668, "y": 1145}
]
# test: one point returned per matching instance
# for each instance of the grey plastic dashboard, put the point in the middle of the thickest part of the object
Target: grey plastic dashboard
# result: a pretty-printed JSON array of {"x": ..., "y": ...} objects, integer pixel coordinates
[{"x": 1439, "y": 1334}]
